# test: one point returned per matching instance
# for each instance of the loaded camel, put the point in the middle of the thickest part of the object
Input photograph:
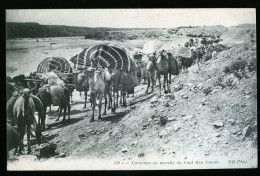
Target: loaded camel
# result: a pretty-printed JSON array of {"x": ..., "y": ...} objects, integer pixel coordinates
[
  {"x": 164, "y": 64},
  {"x": 24, "y": 109}
]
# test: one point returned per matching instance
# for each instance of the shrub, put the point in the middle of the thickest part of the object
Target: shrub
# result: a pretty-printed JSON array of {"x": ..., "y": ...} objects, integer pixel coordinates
[
  {"x": 251, "y": 66},
  {"x": 219, "y": 83},
  {"x": 227, "y": 70},
  {"x": 162, "y": 121},
  {"x": 207, "y": 90},
  {"x": 238, "y": 65}
]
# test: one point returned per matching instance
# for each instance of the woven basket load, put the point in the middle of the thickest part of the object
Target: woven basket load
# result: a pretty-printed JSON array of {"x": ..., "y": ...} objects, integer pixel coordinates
[
  {"x": 59, "y": 64},
  {"x": 110, "y": 57}
]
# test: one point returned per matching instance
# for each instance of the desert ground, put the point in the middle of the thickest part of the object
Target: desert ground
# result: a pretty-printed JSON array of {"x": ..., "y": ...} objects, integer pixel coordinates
[{"x": 209, "y": 118}]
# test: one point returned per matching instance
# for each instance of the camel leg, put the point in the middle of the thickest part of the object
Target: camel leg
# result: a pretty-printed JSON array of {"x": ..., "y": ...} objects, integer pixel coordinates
[
  {"x": 153, "y": 81},
  {"x": 93, "y": 97},
  {"x": 104, "y": 113},
  {"x": 68, "y": 105},
  {"x": 50, "y": 110},
  {"x": 124, "y": 98},
  {"x": 114, "y": 103},
  {"x": 120, "y": 100},
  {"x": 85, "y": 103},
  {"x": 59, "y": 113},
  {"x": 28, "y": 138},
  {"x": 169, "y": 85},
  {"x": 159, "y": 79},
  {"x": 71, "y": 97},
  {"x": 148, "y": 86},
  {"x": 110, "y": 100},
  {"x": 21, "y": 131},
  {"x": 64, "y": 113},
  {"x": 165, "y": 81},
  {"x": 117, "y": 99},
  {"x": 99, "y": 107},
  {"x": 44, "y": 117}
]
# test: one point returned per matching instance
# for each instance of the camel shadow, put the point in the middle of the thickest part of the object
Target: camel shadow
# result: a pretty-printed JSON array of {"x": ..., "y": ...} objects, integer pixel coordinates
[
  {"x": 59, "y": 124},
  {"x": 141, "y": 99},
  {"x": 78, "y": 102},
  {"x": 74, "y": 112},
  {"x": 114, "y": 118},
  {"x": 44, "y": 139}
]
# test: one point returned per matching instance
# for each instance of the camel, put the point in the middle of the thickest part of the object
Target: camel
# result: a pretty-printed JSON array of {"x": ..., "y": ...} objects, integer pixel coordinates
[
  {"x": 196, "y": 54},
  {"x": 45, "y": 96},
  {"x": 10, "y": 89},
  {"x": 12, "y": 138},
  {"x": 24, "y": 110},
  {"x": 164, "y": 64},
  {"x": 161, "y": 65},
  {"x": 147, "y": 73},
  {"x": 82, "y": 84},
  {"x": 97, "y": 87},
  {"x": 10, "y": 104}
]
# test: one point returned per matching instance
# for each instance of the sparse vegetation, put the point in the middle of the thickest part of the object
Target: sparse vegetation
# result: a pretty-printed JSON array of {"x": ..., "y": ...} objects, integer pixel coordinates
[
  {"x": 207, "y": 90},
  {"x": 240, "y": 68},
  {"x": 162, "y": 121}
]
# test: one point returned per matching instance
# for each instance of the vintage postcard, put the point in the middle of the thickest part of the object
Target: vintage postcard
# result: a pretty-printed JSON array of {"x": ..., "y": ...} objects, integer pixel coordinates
[{"x": 131, "y": 89}]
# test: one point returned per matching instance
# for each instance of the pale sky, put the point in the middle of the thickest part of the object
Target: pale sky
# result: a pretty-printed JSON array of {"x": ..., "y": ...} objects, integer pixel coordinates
[{"x": 134, "y": 18}]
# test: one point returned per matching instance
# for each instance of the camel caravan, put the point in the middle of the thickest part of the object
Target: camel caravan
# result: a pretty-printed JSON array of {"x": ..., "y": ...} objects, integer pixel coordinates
[{"x": 100, "y": 71}]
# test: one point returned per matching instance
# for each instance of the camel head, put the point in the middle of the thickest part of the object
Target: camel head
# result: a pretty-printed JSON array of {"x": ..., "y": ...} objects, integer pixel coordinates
[
  {"x": 160, "y": 55},
  {"x": 26, "y": 93},
  {"x": 89, "y": 72}
]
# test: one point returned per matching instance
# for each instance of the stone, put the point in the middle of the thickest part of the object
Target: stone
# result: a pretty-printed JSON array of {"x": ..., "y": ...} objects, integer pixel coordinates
[
  {"x": 218, "y": 124},
  {"x": 188, "y": 117},
  {"x": 134, "y": 143},
  {"x": 163, "y": 133},
  {"x": 82, "y": 135},
  {"x": 171, "y": 119},
  {"x": 167, "y": 104},
  {"x": 124, "y": 150},
  {"x": 246, "y": 131},
  {"x": 217, "y": 135},
  {"x": 234, "y": 130},
  {"x": 176, "y": 127},
  {"x": 62, "y": 155},
  {"x": 247, "y": 96},
  {"x": 185, "y": 96},
  {"x": 154, "y": 99},
  {"x": 214, "y": 91},
  {"x": 232, "y": 121}
]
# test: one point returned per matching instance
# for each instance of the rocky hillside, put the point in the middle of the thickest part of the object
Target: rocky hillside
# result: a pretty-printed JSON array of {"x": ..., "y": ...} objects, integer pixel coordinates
[{"x": 243, "y": 32}]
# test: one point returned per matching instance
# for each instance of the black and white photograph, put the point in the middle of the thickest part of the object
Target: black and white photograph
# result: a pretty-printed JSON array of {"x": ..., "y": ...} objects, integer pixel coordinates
[{"x": 131, "y": 89}]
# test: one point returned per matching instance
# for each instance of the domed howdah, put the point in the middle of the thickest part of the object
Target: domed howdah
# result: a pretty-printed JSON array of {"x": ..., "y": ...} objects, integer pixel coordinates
[
  {"x": 110, "y": 57},
  {"x": 59, "y": 64}
]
